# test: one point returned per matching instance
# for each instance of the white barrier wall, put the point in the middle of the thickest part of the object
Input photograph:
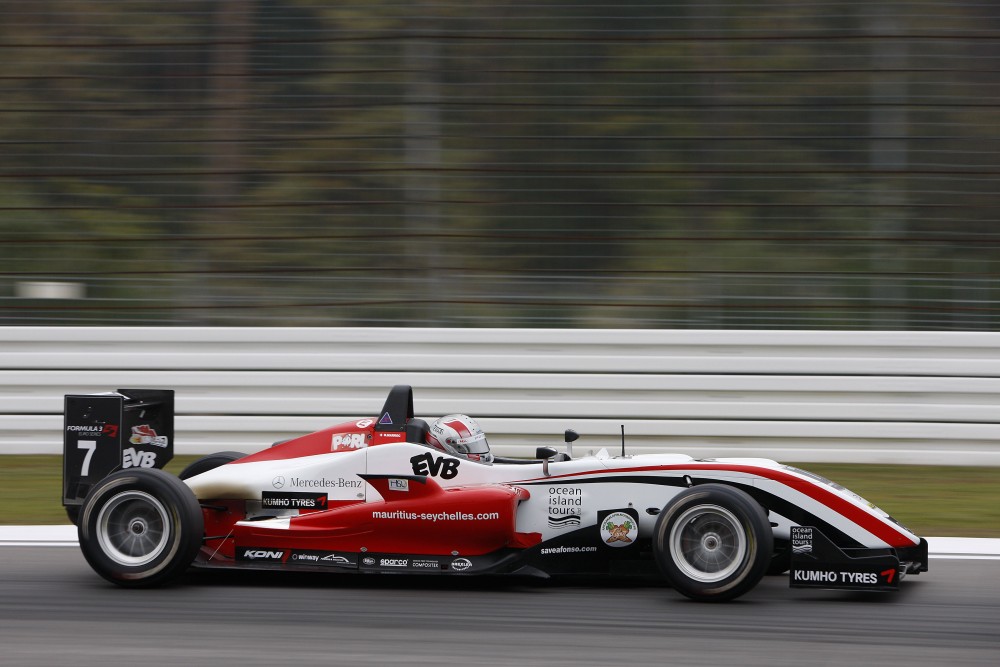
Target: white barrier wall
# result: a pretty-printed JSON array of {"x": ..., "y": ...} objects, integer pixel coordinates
[{"x": 906, "y": 397}]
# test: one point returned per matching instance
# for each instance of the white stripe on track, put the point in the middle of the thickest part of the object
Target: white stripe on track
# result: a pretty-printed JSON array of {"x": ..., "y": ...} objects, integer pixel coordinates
[{"x": 38, "y": 536}]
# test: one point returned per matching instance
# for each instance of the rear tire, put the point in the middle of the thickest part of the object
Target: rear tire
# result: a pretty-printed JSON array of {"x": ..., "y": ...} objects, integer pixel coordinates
[
  {"x": 140, "y": 527},
  {"x": 713, "y": 542},
  {"x": 210, "y": 462}
]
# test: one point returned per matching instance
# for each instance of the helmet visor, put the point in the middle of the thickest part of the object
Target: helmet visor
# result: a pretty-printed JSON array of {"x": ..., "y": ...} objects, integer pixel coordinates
[{"x": 480, "y": 446}]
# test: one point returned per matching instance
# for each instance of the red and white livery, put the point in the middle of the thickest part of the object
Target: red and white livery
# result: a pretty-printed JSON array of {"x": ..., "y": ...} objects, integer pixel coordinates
[{"x": 378, "y": 494}]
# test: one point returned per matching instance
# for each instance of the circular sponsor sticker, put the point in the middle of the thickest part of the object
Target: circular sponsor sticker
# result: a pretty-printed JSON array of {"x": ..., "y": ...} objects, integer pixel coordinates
[
  {"x": 461, "y": 564},
  {"x": 364, "y": 423},
  {"x": 278, "y": 482},
  {"x": 619, "y": 529}
]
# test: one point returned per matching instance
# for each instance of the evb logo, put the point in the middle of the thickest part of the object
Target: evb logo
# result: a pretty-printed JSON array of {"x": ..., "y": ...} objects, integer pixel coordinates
[{"x": 428, "y": 464}]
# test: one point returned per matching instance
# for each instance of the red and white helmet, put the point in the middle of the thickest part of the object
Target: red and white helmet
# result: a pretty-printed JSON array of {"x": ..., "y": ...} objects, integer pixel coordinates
[{"x": 462, "y": 436}]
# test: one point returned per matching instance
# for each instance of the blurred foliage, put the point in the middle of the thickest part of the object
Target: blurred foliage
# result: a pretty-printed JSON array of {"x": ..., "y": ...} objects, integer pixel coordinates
[{"x": 669, "y": 164}]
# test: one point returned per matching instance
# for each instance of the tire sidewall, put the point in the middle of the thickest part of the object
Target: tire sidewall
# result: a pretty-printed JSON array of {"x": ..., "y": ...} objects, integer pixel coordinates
[
  {"x": 184, "y": 526},
  {"x": 756, "y": 531}
]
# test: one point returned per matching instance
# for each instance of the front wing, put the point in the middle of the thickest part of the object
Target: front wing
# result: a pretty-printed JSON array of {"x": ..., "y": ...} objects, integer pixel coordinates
[{"x": 816, "y": 562}]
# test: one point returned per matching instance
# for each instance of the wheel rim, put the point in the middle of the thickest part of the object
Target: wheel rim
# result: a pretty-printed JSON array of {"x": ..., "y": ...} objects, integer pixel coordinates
[
  {"x": 708, "y": 543},
  {"x": 133, "y": 528}
]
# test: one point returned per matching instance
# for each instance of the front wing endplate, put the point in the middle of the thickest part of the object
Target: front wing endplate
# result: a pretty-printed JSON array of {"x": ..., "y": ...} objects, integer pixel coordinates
[{"x": 819, "y": 563}]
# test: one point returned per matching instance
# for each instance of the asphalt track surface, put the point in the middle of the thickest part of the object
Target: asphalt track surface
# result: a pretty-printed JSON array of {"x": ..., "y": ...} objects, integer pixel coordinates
[{"x": 55, "y": 611}]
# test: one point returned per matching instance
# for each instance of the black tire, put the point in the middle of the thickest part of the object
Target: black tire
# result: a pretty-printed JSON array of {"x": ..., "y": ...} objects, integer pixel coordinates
[
  {"x": 210, "y": 462},
  {"x": 140, "y": 527},
  {"x": 713, "y": 542}
]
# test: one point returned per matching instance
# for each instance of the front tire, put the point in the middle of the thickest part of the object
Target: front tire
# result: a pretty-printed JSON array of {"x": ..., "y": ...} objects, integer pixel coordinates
[
  {"x": 140, "y": 527},
  {"x": 713, "y": 542}
]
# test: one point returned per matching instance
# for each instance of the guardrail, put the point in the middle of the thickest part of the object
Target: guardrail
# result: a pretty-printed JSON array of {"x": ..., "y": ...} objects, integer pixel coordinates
[{"x": 906, "y": 397}]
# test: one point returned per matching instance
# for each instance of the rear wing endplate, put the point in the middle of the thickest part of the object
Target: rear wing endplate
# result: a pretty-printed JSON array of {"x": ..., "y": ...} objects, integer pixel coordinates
[{"x": 102, "y": 433}]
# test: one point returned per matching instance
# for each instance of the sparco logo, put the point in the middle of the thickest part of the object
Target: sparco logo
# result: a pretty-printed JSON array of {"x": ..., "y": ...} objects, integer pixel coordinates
[
  {"x": 262, "y": 554},
  {"x": 394, "y": 562}
]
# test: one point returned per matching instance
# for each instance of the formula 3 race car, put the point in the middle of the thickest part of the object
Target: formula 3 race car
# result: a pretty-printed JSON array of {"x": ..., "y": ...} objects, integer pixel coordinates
[{"x": 371, "y": 496}]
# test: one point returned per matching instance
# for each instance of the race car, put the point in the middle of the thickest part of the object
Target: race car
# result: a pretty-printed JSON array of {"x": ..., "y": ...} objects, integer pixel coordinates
[{"x": 384, "y": 494}]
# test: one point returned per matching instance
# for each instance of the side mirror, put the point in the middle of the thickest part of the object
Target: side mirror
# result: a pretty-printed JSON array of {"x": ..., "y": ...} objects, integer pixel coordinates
[
  {"x": 570, "y": 435},
  {"x": 545, "y": 453}
]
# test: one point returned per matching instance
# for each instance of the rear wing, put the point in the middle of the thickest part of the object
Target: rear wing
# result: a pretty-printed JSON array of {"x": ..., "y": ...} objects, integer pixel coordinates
[{"x": 102, "y": 433}]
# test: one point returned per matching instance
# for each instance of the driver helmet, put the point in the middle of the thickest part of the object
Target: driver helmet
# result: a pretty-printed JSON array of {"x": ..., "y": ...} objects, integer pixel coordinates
[{"x": 460, "y": 435}]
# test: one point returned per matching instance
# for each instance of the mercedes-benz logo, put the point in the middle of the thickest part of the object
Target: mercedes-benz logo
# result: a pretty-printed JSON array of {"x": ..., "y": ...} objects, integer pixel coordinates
[{"x": 278, "y": 482}]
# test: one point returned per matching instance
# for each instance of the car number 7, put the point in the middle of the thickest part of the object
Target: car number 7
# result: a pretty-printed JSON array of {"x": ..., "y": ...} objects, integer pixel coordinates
[{"x": 91, "y": 447}]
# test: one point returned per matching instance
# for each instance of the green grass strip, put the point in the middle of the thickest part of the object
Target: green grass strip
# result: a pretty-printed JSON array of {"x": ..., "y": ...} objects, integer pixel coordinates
[{"x": 931, "y": 500}]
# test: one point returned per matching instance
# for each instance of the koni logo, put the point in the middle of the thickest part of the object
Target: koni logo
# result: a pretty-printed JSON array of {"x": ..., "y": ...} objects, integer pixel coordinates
[{"x": 262, "y": 554}]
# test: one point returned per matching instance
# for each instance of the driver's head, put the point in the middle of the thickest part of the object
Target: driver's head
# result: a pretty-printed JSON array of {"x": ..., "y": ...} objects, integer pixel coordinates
[{"x": 462, "y": 436}]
